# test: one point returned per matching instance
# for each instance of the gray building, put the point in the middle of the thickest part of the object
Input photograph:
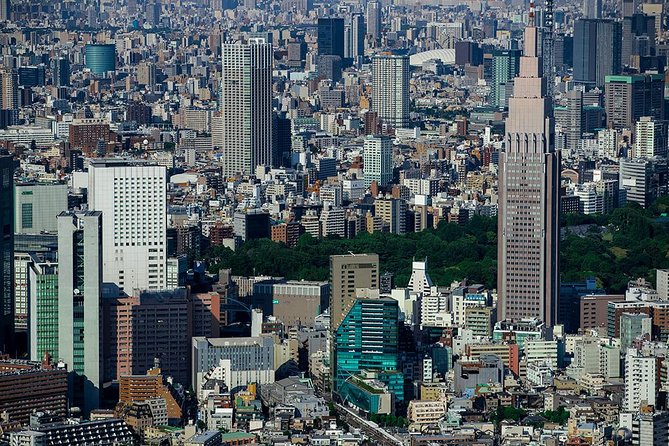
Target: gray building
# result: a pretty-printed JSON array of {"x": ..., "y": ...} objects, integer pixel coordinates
[
  {"x": 488, "y": 369},
  {"x": 79, "y": 314},
  {"x": 37, "y": 206},
  {"x": 597, "y": 50},
  {"x": 637, "y": 178}
]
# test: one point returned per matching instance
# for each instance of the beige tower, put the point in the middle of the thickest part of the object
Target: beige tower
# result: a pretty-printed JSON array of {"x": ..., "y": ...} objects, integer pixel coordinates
[
  {"x": 348, "y": 273},
  {"x": 528, "y": 225}
]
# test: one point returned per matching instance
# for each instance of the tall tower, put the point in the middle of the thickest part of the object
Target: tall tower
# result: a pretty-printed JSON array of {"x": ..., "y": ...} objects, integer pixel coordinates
[
  {"x": 79, "y": 305},
  {"x": 246, "y": 106},
  {"x": 548, "y": 54},
  {"x": 7, "y": 167},
  {"x": 390, "y": 84},
  {"x": 528, "y": 225},
  {"x": 374, "y": 19}
]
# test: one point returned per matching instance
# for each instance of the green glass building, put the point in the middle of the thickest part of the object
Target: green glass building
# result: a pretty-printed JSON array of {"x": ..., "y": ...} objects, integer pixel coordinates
[
  {"x": 43, "y": 286},
  {"x": 367, "y": 340}
]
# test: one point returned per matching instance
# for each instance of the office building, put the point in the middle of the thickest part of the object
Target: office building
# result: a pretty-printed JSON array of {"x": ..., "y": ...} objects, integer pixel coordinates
[
  {"x": 43, "y": 306},
  {"x": 154, "y": 325},
  {"x": 636, "y": 177},
  {"x": 5, "y": 10},
  {"x": 293, "y": 302},
  {"x": 377, "y": 158},
  {"x": 597, "y": 50},
  {"x": 331, "y": 36},
  {"x": 149, "y": 386},
  {"x": 101, "y": 58},
  {"x": 357, "y": 37},
  {"x": 374, "y": 27},
  {"x": 251, "y": 224},
  {"x": 367, "y": 339},
  {"x": 628, "y": 98},
  {"x": 132, "y": 198},
  {"x": 651, "y": 138},
  {"x": 347, "y": 274},
  {"x": 390, "y": 89},
  {"x": 570, "y": 119},
  {"x": 80, "y": 269},
  {"x": 634, "y": 326},
  {"x": 638, "y": 37},
  {"x": 528, "y": 278},
  {"x": 91, "y": 136},
  {"x": 55, "y": 430},
  {"x": 28, "y": 386},
  {"x": 235, "y": 361},
  {"x": 7, "y": 166},
  {"x": 592, "y": 9},
  {"x": 60, "y": 71},
  {"x": 505, "y": 66},
  {"x": 246, "y": 106},
  {"x": 37, "y": 205}
]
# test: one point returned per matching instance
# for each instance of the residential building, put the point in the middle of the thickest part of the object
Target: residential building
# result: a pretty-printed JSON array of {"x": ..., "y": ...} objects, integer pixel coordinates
[
  {"x": 651, "y": 138},
  {"x": 377, "y": 159},
  {"x": 390, "y": 89},
  {"x": 246, "y": 106}
]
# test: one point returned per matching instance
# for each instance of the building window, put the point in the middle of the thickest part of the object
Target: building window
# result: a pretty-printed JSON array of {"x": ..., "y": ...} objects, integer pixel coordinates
[{"x": 26, "y": 215}]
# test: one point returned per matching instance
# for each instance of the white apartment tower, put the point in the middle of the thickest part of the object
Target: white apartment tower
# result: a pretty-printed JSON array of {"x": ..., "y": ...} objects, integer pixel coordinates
[
  {"x": 641, "y": 381},
  {"x": 377, "y": 158},
  {"x": 528, "y": 224},
  {"x": 132, "y": 196},
  {"x": 651, "y": 138},
  {"x": 390, "y": 84},
  {"x": 246, "y": 106}
]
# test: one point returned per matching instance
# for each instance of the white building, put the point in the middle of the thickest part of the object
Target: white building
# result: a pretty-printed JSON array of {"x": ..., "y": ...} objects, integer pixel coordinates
[
  {"x": 377, "y": 159},
  {"x": 132, "y": 196},
  {"x": 640, "y": 381},
  {"x": 651, "y": 138},
  {"x": 246, "y": 106},
  {"x": 420, "y": 281}
]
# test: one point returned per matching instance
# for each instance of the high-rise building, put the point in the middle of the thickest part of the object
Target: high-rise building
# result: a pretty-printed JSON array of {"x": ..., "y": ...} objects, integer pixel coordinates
[
  {"x": 650, "y": 427},
  {"x": 132, "y": 196},
  {"x": 638, "y": 37},
  {"x": 597, "y": 50},
  {"x": 570, "y": 119},
  {"x": 9, "y": 97},
  {"x": 367, "y": 339},
  {"x": 101, "y": 58},
  {"x": 641, "y": 381},
  {"x": 43, "y": 307},
  {"x": 357, "y": 37},
  {"x": 377, "y": 158},
  {"x": 37, "y": 206},
  {"x": 246, "y": 106},
  {"x": 331, "y": 36},
  {"x": 347, "y": 273},
  {"x": 592, "y": 9},
  {"x": 528, "y": 225},
  {"x": 651, "y": 138},
  {"x": 60, "y": 70},
  {"x": 374, "y": 27},
  {"x": 80, "y": 246},
  {"x": 7, "y": 166},
  {"x": 5, "y": 10},
  {"x": 390, "y": 85},
  {"x": 505, "y": 66},
  {"x": 628, "y": 98}
]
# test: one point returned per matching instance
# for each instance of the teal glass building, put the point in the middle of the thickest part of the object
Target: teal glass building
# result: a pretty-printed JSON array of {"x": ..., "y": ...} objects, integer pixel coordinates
[
  {"x": 367, "y": 340},
  {"x": 101, "y": 58}
]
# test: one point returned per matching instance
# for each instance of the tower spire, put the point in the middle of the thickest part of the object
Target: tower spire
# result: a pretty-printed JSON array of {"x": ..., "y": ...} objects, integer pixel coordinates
[{"x": 532, "y": 21}]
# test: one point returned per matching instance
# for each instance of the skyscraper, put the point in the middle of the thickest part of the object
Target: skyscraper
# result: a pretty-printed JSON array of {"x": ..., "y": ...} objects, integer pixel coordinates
[
  {"x": 331, "y": 36},
  {"x": 9, "y": 97},
  {"x": 377, "y": 159},
  {"x": 597, "y": 50},
  {"x": 357, "y": 35},
  {"x": 374, "y": 20},
  {"x": 528, "y": 220},
  {"x": 80, "y": 241},
  {"x": 60, "y": 69},
  {"x": 246, "y": 106},
  {"x": 7, "y": 166},
  {"x": 347, "y": 273},
  {"x": 650, "y": 138},
  {"x": 132, "y": 196},
  {"x": 390, "y": 85}
]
